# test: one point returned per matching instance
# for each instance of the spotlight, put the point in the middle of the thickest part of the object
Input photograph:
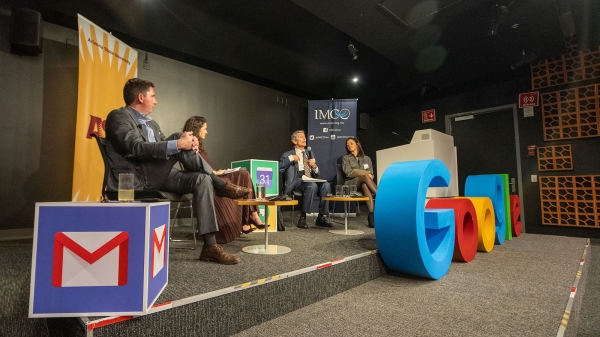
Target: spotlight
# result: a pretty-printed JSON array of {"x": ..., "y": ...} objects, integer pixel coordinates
[{"x": 352, "y": 51}]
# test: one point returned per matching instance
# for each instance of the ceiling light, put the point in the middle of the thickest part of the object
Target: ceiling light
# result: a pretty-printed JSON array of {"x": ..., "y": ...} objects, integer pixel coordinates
[
  {"x": 355, "y": 79},
  {"x": 352, "y": 51}
]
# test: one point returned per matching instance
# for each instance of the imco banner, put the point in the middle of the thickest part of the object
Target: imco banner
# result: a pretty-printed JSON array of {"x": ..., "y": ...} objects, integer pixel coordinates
[
  {"x": 330, "y": 123},
  {"x": 105, "y": 64}
]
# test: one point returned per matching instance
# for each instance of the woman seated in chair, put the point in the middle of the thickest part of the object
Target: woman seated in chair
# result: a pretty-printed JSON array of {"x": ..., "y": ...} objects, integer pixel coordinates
[
  {"x": 231, "y": 217},
  {"x": 355, "y": 159}
]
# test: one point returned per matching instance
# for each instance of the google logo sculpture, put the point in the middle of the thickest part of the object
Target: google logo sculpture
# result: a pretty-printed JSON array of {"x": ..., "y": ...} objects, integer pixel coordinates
[{"x": 422, "y": 238}]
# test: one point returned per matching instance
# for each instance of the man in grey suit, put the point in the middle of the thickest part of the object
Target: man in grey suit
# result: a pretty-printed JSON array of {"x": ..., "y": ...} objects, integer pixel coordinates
[
  {"x": 295, "y": 164},
  {"x": 135, "y": 144}
]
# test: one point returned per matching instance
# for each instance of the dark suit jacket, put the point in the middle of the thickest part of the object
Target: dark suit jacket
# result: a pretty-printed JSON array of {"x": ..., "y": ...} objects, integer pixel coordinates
[
  {"x": 129, "y": 150},
  {"x": 290, "y": 171}
]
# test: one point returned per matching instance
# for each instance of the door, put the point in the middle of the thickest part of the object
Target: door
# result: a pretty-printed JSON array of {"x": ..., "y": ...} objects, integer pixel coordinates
[{"x": 487, "y": 142}]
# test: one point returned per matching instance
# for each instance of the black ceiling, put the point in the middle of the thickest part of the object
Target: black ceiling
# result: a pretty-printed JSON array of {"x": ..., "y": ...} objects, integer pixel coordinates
[{"x": 301, "y": 46}]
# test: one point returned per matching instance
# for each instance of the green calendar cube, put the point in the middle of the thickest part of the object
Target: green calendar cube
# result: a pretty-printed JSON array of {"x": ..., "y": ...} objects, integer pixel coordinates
[{"x": 264, "y": 172}]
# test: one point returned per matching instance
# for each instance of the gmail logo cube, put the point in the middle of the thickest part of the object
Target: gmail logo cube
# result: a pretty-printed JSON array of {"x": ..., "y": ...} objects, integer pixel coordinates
[{"x": 98, "y": 259}]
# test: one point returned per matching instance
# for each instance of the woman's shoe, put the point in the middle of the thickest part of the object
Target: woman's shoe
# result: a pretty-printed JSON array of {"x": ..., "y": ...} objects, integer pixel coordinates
[
  {"x": 249, "y": 230},
  {"x": 259, "y": 226},
  {"x": 254, "y": 220},
  {"x": 371, "y": 220}
]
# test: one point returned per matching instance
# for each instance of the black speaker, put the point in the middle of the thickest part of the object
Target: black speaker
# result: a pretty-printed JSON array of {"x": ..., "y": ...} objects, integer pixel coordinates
[
  {"x": 363, "y": 122},
  {"x": 26, "y": 32}
]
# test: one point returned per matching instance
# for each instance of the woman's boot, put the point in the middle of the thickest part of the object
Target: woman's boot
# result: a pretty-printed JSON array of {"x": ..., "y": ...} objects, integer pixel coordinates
[{"x": 371, "y": 220}]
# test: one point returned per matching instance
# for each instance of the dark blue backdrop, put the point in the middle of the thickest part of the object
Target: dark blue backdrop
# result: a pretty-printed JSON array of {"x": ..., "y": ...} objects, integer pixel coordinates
[{"x": 330, "y": 123}]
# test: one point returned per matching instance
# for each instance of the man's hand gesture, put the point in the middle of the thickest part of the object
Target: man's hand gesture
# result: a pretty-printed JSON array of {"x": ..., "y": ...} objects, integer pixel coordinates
[{"x": 187, "y": 142}]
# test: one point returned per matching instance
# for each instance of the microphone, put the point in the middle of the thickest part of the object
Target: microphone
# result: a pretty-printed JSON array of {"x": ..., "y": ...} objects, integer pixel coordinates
[
  {"x": 309, "y": 152},
  {"x": 406, "y": 140}
]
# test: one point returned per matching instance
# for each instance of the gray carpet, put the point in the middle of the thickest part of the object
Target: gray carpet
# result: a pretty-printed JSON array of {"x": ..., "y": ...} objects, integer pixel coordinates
[
  {"x": 589, "y": 318},
  {"x": 309, "y": 247},
  {"x": 15, "y": 271},
  {"x": 519, "y": 289},
  {"x": 233, "y": 312},
  {"x": 516, "y": 290}
]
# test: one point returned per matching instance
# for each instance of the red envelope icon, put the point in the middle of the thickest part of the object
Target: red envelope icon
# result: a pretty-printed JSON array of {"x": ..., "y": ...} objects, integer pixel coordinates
[
  {"x": 83, "y": 259},
  {"x": 159, "y": 258}
]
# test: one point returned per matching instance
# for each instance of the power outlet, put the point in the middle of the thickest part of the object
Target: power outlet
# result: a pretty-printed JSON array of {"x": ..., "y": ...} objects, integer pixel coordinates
[{"x": 534, "y": 178}]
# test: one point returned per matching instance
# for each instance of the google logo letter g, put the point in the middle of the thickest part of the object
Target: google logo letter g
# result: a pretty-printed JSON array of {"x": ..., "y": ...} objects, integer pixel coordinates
[{"x": 411, "y": 238}]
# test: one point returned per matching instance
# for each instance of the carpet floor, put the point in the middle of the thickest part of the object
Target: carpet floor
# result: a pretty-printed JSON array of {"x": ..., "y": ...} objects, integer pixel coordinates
[{"x": 519, "y": 289}]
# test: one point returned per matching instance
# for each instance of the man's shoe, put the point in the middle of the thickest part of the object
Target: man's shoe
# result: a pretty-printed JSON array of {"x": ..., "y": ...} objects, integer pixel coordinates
[
  {"x": 232, "y": 191},
  {"x": 218, "y": 255},
  {"x": 323, "y": 222},
  {"x": 302, "y": 223}
]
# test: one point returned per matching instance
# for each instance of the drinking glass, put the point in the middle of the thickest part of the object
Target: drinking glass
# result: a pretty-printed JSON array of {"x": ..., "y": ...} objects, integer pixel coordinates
[
  {"x": 338, "y": 190},
  {"x": 260, "y": 191},
  {"x": 345, "y": 190},
  {"x": 126, "y": 181},
  {"x": 352, "y": 190}
]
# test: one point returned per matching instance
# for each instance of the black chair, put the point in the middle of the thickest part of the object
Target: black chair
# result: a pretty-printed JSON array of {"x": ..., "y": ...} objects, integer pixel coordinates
[
  {"x": 293, "y": 194},
  {"x": 340, "y": 182},
  {"x": 178, "y": 201}
]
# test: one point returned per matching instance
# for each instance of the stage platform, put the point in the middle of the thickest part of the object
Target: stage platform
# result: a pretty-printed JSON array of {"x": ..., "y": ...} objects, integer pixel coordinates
[{"x": 337, "y": 285}]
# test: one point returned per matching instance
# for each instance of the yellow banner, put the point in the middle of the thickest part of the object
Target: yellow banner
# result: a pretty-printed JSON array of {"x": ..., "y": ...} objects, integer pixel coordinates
[{"x": 105, "y": 64}]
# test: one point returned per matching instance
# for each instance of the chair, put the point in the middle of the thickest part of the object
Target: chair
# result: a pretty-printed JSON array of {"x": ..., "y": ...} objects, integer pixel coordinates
[
  {"x": 340, "y": 181},
  {"x": 294, "y": 194},
  {"x": 178, "y": 201}
]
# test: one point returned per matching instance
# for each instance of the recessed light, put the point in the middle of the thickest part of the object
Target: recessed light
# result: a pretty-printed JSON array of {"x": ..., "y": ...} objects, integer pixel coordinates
[{"x": 355, "y": 79}]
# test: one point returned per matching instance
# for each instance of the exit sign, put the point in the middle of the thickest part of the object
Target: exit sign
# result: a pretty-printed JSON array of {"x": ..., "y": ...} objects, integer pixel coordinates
[
  {"x": 428, "y": 116},
  {"x": 528, "y": 99}
]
